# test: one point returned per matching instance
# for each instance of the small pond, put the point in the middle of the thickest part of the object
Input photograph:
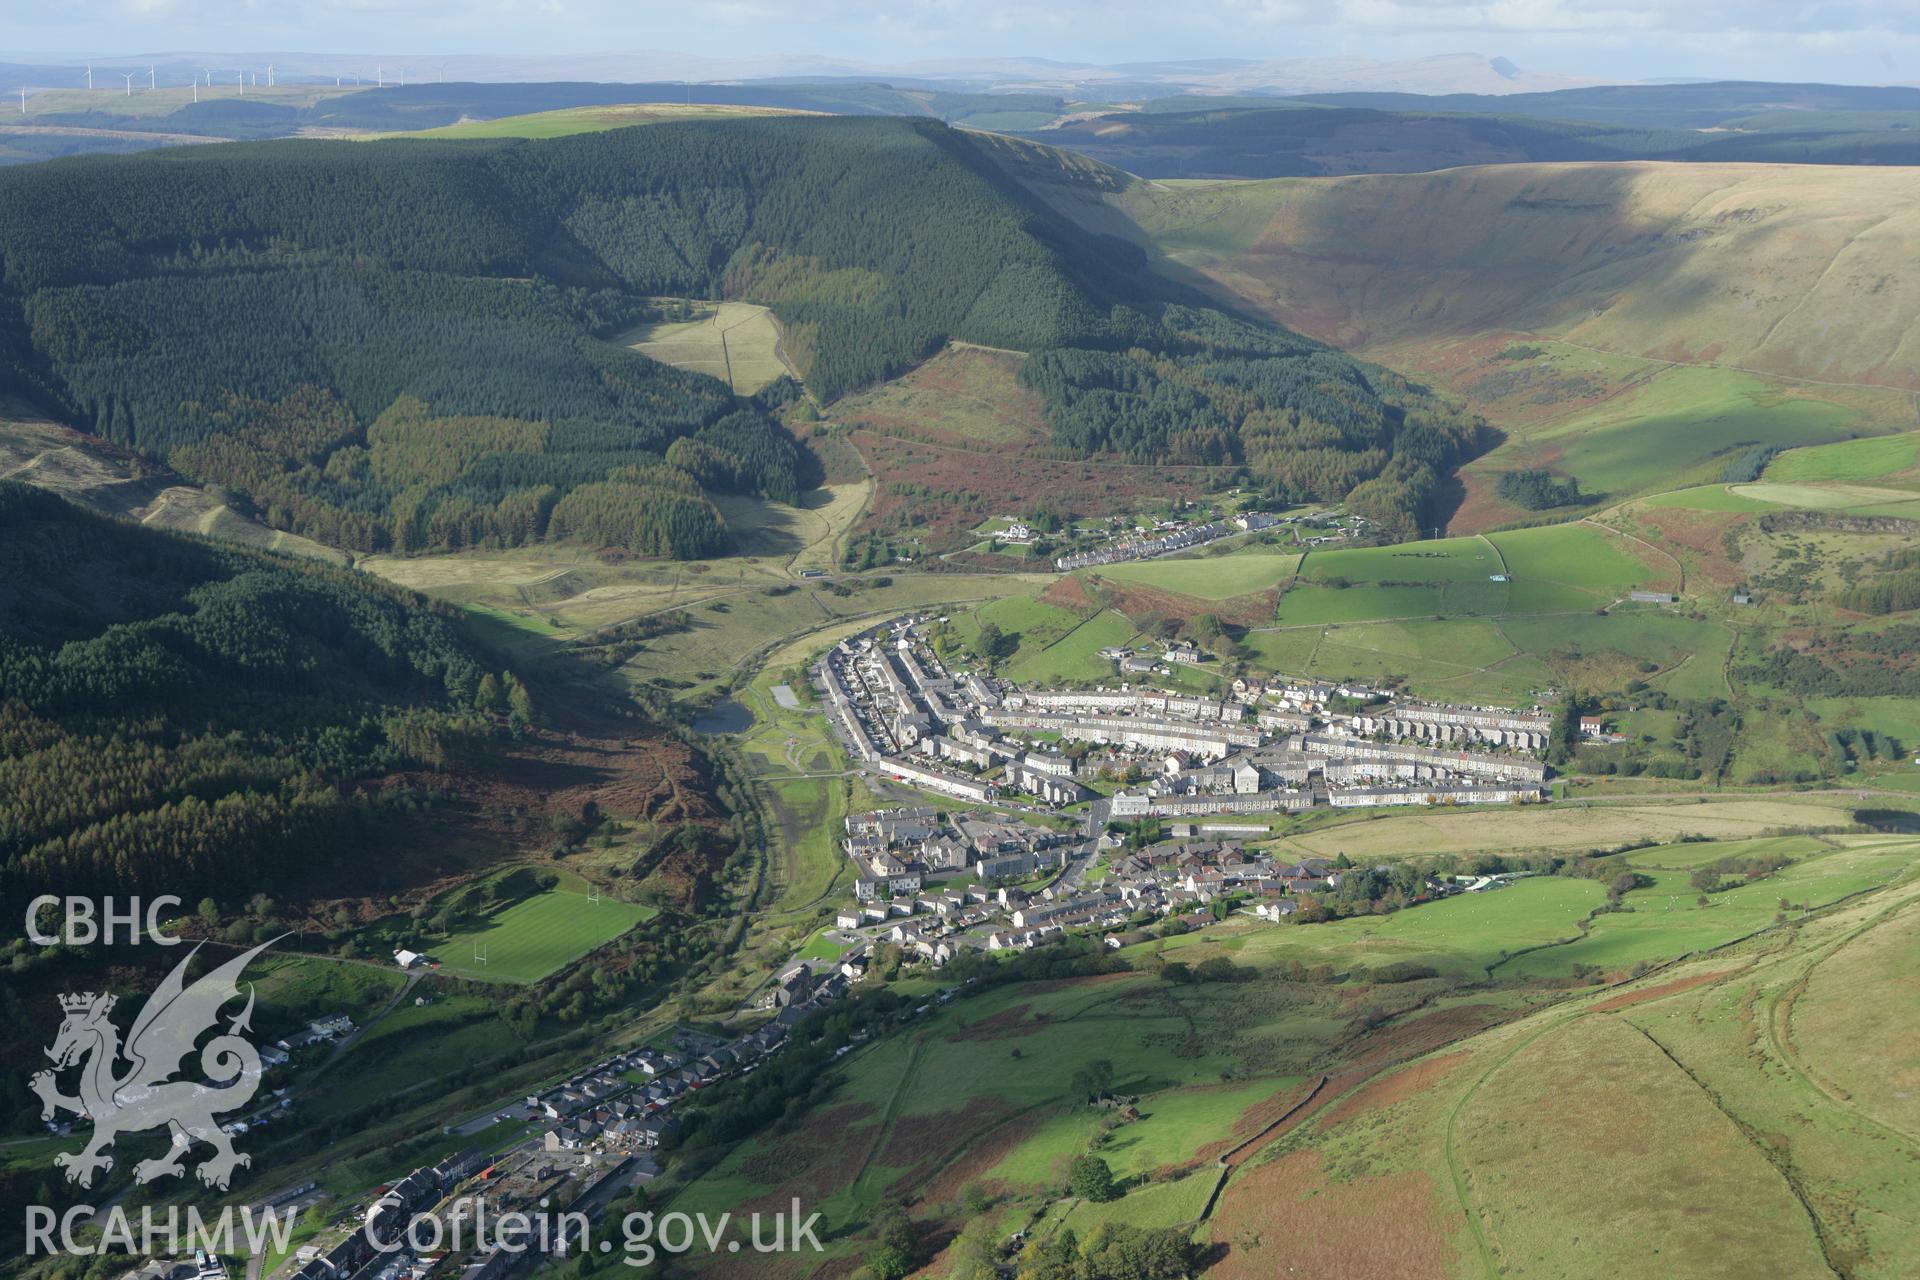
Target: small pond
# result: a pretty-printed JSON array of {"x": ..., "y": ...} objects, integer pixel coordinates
[{"x": 725, "y": 716}]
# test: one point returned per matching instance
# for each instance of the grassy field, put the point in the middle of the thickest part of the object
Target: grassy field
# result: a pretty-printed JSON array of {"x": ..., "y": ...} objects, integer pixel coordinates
[
  {"x": 1678, "y": 425},
  {"x": 570, "y": 120},
  {"x": 988, "y": 1081},
  {"x": 736, "y": 342},
  {"x": 1668, "y": 920},
  {"x": 1216, "y": 577},
  {"x": 1546, "y": 1137},
  {"x": 1463, "y": 935},
  {"x": 1710, "y": 497},
  {"x": 1502, "y": 617},
  {"x": 1881, "y": 458},
  {"x": 1578, "y": 827},
  {"x": 535, "y": 936},
  {"x": 1557, "y": 569},
  {"x": 1850, "y": 499},
  {"x": 1075, "y": 656}
]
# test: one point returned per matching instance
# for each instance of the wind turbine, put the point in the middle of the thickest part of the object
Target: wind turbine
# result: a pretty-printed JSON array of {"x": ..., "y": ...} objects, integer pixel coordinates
[
  {"x": 89, "y": 75},
  {"x": 196, "y": 88},
  {"x": 153, "y": 81},
  {"x": 240, "y": 78},
  {"x": 380, "y": 76},
  {"x": 128, "y": 77},
  {"x": 23, "y": 99},
  {"x": 269, "y": 75},
  {"x": 209, "y": 71}
]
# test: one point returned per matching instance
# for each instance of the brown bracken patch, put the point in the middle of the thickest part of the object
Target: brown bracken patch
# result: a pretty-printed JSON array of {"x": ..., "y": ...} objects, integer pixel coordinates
[
  {"x": 825, "y": 1153},
  {"x": 1628, "y": 998},
  {"x": 925, "y": 1147},
  {"x": 1380, "y": 1050},
  {"x": 1009, "y": 1024},
  {"x": 1287, "y": 1218},
  {"x": 1387, "y": 1090},
  {"x": 1701, "y": 537},
  {"x": 1069, "y": 594}
]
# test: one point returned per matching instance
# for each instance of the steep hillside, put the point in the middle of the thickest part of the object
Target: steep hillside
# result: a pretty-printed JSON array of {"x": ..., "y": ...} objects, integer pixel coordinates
[
  {"x": 1778, "y": 269},
  {"x": 401, "y": 345},
  {"x": 188, "y": 719},
  {"x": 1630, "y": 326}
]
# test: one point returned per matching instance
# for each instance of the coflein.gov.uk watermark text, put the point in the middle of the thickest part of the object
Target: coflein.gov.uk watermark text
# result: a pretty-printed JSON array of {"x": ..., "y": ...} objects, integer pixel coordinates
[{"x": 640, "y": 1238}]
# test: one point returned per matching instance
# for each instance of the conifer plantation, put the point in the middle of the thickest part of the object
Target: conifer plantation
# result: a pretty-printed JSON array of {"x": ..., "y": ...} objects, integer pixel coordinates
[
  {"x": 188, "y": 717},
  {"x": 405, "y": 345}
]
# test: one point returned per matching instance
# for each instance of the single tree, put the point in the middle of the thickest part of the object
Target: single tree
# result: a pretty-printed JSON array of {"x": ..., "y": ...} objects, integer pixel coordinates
[{"x": 1091, "y": 1179}]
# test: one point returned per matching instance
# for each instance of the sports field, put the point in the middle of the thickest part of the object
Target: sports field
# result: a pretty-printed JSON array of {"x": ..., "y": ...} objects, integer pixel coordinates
[{"x": 535, "y": 936}]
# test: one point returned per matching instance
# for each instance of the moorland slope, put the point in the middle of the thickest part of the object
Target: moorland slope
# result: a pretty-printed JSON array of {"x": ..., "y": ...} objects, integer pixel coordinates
[{"x": 1776, "y": 268}]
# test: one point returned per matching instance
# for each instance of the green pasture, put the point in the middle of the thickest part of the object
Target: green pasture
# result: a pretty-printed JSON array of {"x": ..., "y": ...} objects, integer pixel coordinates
[
  {"x": 1556, "y": 569},
  {"x": 1717, "y": 498},
  {"x": 1871, "y": 458},
  {"x": 1679, "y": 426},
  {"x": 1582, "y": 556},
  {"x": 1075, "y": 656},
  {"x": 1218, "y": 577},
  {"x": 1667, "y": 919},
  {"x": 1462, "y": 934}
]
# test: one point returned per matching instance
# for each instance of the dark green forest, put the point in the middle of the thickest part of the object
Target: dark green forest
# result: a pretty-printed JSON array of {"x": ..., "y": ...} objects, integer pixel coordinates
[
  {"x": 403, "y": 345},
  {"x": 179, "y": 716},
  {"x": 1308, "y": 423}
]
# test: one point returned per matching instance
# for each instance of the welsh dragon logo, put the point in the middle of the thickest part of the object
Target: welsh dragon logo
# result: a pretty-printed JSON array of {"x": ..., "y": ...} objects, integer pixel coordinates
[{"x": 143, "y": 1095}]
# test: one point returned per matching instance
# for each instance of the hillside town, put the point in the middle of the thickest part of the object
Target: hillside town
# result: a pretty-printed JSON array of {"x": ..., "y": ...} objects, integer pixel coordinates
[
  {"x": 1163, "y": 537},
  {"x": 937, "y": 882},
  {"x": 1255, "y": 748},
  {"x": 936, "y": 887}
]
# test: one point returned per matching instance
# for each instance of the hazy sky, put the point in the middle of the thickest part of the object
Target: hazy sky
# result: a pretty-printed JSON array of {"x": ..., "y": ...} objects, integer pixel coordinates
[{"x": 1857, "y": 41}]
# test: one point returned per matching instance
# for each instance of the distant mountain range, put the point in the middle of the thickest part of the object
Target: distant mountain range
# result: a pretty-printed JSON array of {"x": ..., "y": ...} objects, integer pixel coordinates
[{"x": 1444, "y": 73}]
